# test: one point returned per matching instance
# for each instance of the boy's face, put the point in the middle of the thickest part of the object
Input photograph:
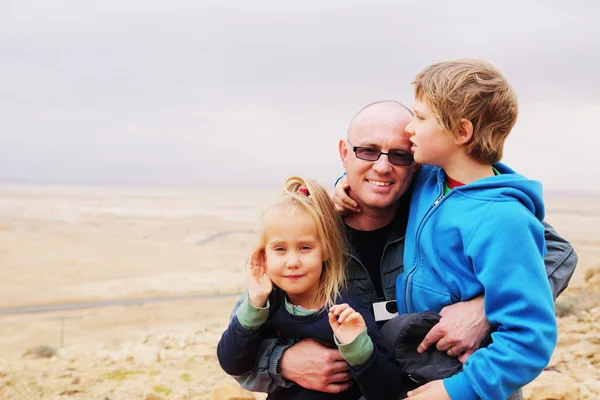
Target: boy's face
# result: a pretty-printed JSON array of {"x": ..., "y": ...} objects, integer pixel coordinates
[{"x": 431, "y": 144}]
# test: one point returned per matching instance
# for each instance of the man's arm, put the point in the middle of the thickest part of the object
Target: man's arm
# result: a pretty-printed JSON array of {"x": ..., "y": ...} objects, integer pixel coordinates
[{"x": 560, "y": 260}]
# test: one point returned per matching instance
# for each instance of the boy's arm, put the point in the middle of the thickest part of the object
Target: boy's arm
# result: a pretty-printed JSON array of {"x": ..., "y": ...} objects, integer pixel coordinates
[
  {"x": 560, "y": 260},
  {"x": 463, "y": 326},
  {"x": 506, "y": 254}
]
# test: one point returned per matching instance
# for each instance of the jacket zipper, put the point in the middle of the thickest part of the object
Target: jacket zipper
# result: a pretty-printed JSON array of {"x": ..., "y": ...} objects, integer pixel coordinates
[
  {"x": 441, "y": 196},
  {"x": 367, "y": 272}
]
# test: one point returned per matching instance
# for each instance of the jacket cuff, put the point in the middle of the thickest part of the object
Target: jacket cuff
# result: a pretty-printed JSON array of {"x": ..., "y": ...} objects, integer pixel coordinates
[
  {"x": 273, "y": 366},
  {"x": 251, "y": 317},
  {"x": 458, "y": 388},
  {"x": 357, "y": 351}
]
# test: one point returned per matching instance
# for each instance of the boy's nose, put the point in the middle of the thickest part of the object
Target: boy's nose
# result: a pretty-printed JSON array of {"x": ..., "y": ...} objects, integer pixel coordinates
[{"x": 409, "y": 129}]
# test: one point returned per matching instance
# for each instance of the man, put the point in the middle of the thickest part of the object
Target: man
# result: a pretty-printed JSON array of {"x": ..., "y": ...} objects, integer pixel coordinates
[{"x": 379, "y": 170}]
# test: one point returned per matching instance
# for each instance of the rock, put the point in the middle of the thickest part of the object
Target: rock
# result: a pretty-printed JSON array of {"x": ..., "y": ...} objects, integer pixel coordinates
[
  {"x": 231, "y": 391},
  {"x": 152, "y": 396},
  {"x": 552, "y": 385}
]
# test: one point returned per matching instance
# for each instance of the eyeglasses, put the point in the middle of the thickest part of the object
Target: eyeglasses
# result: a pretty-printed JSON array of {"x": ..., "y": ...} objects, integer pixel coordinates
[{"x": 399, "y": 158}]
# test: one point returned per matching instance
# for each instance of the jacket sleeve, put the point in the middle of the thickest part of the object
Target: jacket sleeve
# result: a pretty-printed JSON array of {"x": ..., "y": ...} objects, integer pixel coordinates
[
  {"x": 238, "y": 348},
  {"x": 262, "y": 376},
  {"x": 560, "y": 260},
  {"x": 506, "y": 253},
  {"x": 379, "y": 378}
]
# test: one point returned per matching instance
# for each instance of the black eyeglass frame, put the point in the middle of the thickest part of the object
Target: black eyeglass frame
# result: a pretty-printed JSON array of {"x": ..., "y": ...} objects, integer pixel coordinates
[{"x": 356, "y": 150}]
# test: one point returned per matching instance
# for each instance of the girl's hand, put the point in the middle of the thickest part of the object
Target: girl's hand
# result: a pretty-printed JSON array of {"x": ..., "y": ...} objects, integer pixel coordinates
[
  {"x": 343, "y": 202},
  {"x": 434, "y": 390},
  {"x": 345, "y": 323},
  {"x": 259, "y": 283}
]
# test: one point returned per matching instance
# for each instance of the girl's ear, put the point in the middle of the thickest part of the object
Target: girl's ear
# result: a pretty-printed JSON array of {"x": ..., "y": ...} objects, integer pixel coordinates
[
  {"x": 325, "y": 255},
  {"x": 464, "y": 132}
]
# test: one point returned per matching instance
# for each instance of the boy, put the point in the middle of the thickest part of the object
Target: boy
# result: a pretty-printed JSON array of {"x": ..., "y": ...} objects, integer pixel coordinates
[{"x": 474, "y": 228}]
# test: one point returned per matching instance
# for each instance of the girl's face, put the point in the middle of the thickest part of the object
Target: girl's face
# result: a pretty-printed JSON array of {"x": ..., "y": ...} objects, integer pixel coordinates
[{"x": 294, "y": 257}]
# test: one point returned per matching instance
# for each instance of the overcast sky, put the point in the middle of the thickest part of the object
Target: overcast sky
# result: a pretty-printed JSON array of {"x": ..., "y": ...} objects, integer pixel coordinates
[{"x": 229, "y": 92}]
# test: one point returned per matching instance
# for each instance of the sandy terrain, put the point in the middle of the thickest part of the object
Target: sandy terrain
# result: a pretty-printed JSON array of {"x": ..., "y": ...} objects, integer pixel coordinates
[{"x": 66, "y": 245}]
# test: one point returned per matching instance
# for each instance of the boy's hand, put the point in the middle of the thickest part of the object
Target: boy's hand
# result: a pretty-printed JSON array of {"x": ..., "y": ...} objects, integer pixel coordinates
[
  {"x": 345, "y": 323},
  {"x": 259, "y": 283},
  {"x": 434, "y": 390},
  {"x": 343, "y": 202}
]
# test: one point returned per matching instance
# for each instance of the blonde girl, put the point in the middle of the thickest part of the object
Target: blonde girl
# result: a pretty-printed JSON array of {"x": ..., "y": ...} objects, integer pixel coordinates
[{"x": 296, "y": 290}]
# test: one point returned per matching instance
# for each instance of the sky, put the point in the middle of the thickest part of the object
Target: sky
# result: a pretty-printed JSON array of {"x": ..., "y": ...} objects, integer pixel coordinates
[{"x": 191, "y": 92}]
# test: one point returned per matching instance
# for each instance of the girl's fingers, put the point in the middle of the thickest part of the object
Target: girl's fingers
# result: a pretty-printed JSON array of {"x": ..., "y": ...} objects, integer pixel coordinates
[
  {"x": 333, "y": 322},
  {"x": 344, "y": 315},
  {"x": 338, "y": 308}
]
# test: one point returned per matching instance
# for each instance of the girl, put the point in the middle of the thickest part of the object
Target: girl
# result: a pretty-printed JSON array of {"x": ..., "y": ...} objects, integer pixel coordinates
[{"x": 295, "y": 290}]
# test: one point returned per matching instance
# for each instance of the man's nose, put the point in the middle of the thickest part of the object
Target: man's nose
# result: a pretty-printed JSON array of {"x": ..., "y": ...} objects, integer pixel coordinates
[{"x": 382, "y": 165}]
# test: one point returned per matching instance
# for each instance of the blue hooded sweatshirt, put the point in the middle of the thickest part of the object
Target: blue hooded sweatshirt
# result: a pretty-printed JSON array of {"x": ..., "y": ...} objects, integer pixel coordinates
[{"x": 483, "y": 238}]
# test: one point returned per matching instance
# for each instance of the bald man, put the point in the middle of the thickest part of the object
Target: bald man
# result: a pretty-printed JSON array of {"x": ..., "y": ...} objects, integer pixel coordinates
[{"x": 379, "y": 170}]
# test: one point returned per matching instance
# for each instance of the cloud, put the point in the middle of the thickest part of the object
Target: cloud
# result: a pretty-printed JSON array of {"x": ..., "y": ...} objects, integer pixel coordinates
[{"x": 110, "y": 90}]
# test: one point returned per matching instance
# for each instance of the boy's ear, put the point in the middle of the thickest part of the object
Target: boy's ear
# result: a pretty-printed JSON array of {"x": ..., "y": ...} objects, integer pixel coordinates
[
  {"x": 343, "y": 149},
  {"x": 464, "y": 132}
]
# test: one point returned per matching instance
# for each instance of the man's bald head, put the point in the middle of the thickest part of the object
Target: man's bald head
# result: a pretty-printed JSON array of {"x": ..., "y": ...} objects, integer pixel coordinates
[
  {"x": 377, "y": 186},
  {"x": 383, "y": 112}
]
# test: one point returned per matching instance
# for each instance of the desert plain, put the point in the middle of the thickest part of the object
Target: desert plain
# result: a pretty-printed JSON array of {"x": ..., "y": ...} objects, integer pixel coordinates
[{"x": 123, "y": 292}]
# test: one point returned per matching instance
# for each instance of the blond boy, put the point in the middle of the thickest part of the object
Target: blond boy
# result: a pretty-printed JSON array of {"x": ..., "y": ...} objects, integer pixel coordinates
[{"x": 475, "y": 228}]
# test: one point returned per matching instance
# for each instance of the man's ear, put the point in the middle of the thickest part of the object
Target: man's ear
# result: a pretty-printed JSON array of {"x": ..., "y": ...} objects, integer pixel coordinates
[
  {"x": 343, "y": 149},
  {"x": 464, "y": 132}
]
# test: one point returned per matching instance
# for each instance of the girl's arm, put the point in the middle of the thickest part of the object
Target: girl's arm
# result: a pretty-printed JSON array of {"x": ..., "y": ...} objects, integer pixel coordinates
[
  {"x": 238, "y": 348},
  {"x": 372, "y": 364}
]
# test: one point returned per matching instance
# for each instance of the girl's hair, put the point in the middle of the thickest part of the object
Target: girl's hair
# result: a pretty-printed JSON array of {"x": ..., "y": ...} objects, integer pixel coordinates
[{"x": 308, "y": 197}]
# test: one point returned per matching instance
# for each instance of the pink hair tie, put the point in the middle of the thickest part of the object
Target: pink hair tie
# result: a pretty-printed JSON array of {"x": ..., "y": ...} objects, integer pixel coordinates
[{"x": 304, "y": 191}]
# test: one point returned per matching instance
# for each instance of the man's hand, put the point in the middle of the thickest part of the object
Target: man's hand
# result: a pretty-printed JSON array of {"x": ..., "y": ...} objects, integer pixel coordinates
[
  {"x": 344, "y": 204},
  {"x": 314, "y": 366},
  {"x": 434, "y": 390},
  {"x": 461, "y": 330}
]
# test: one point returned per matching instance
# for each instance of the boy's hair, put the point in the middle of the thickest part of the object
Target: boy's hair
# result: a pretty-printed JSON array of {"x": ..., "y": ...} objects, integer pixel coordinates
[
  {"x": 476, "y": 91},
  {"x": 309, "y": 198}
]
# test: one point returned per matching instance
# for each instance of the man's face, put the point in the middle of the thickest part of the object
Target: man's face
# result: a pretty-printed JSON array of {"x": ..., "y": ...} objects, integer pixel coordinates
[{"x": 379, "y": 184}]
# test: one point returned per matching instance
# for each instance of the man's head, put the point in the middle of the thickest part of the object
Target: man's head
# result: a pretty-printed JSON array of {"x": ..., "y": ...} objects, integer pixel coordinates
[
  {"x": 378, "y": 185},
  {"x": 470, "y": 97}
]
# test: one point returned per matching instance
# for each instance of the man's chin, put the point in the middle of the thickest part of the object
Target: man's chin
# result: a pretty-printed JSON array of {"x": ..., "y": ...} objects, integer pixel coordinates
[{"x": 380, "y": 201}]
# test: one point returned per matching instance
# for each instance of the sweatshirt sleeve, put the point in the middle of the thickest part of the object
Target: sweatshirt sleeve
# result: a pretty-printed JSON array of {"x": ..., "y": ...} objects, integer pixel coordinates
[
  {"x": 379, "y": 378},
  {"x": 508, "y": 260}
]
